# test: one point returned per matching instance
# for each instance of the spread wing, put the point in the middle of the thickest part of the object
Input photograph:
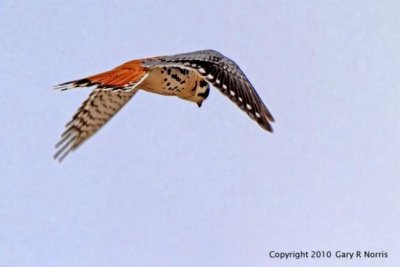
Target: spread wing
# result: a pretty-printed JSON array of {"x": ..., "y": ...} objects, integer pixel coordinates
[
  {"x": 224, "y": 74},
  {"x": 114, "y": 89},
  {"x": 96, "y": 111}
]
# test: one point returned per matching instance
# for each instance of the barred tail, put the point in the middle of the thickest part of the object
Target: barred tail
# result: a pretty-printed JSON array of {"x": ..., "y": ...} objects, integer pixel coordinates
[{"x": 126, "y": 75}]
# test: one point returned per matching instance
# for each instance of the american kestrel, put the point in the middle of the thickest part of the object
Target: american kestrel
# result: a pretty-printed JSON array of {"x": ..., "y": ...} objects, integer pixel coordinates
[{"x": 186, "y": 76}]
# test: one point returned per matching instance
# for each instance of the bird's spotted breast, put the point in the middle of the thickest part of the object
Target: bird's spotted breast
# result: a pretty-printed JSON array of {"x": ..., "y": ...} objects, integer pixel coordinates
[{"x": 171, "y": 81}]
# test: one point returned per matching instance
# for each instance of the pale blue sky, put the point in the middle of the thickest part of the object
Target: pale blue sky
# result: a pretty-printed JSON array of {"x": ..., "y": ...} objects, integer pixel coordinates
[{"x": 168, "y": 184}]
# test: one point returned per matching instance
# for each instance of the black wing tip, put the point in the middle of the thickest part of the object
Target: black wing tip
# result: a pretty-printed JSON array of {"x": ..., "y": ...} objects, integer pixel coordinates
[
  {"x": 60, "y": 155},
  {"x": 265, "y": 121},
  {"x": 270, "y": 118},
  {"x": 65, "y": 145},
  {"x": 63, "y": 151},
  {"x": 266, "y": 126}
]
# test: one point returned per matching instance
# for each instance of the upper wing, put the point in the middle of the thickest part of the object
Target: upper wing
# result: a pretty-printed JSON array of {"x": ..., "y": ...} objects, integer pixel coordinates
[
  {"x": 99, "y": 108},
  {"x": 225, "y": 75}
]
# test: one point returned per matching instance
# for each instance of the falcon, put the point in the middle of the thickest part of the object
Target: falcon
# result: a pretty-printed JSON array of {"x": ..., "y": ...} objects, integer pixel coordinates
[{"x": 187, "y": 76}]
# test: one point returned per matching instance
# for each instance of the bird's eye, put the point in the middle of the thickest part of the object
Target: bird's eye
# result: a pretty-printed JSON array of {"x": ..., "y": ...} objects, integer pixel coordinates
[{"x": 203, "y": 83}]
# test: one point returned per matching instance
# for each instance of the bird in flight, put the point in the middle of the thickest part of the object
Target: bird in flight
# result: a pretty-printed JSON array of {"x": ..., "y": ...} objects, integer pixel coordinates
[{"x": 187, "y": 76}]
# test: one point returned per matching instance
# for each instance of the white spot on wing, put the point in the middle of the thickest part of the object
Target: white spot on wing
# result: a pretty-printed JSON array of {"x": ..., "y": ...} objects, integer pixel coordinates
[
  {"x": 209, "y": 76},
  {"x": 224, "y": 86},
  {"x": 201, "y": 70},
  {"x": 248, "y": 106},
  {"x": 240, "y": 99},
  {"x": 232, "y": 93}
]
